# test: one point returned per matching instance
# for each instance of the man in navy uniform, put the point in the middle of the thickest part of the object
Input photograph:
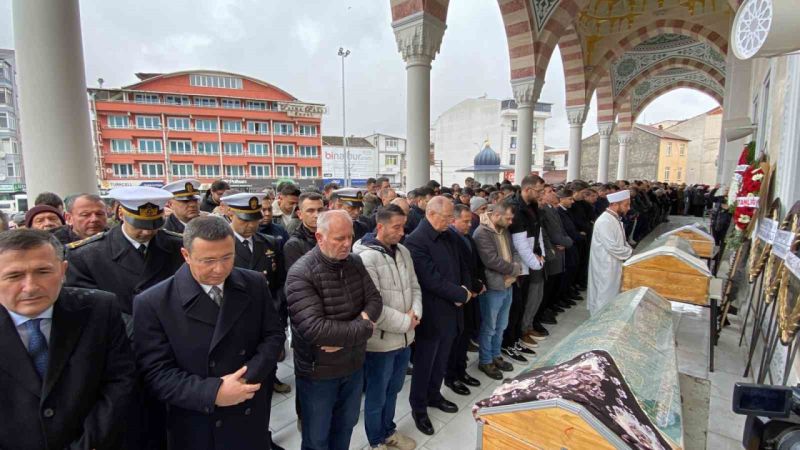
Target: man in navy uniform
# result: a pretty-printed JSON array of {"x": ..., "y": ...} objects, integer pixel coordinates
[
  {"x": 184, "y": 205},
  {"x": 205, "y": 341},
  {"x": 351, "y": 201},
  {"x": 259, "y": 252},
  {"x": 131, "y": 257}
]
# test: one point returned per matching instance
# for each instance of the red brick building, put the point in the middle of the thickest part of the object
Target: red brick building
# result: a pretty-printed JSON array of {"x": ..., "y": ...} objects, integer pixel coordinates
[{"x": 206, "y": 125}]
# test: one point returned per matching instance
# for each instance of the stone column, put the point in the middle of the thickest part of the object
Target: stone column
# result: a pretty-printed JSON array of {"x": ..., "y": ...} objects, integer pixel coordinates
[
  {"x": 576, "y": 116},
  {"x": 526, "y": 92},
  {"x": 54, "y": 108},
  {"x": 623, "y": 137},
  {"x": 605, "y": 129},
  {"x": 419, "y": 37}
]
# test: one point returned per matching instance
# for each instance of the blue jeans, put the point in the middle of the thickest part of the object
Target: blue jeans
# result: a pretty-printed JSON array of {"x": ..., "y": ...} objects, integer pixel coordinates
[
  {"x": 329, "y": 410},
  {"x": 385, "y": 373},
  {"x": 494, "y": 319}
]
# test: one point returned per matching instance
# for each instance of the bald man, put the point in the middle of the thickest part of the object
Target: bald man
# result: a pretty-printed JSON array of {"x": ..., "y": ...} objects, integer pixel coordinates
[{"x": 443, "y": 276}]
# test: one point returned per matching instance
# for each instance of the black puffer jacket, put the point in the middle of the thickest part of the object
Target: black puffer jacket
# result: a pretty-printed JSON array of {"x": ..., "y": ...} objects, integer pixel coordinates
[
  {"x": 325, "y": 299},
  {"x": 301, "y": 242}
]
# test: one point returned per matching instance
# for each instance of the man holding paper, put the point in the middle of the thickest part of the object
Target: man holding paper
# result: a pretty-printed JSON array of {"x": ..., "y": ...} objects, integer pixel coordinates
[{"x": 608, "y": 251}]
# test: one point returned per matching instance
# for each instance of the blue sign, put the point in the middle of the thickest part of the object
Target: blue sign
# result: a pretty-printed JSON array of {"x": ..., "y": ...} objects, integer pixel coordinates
[
  {"x": 355, "y": 182},
  {"x": 155, "y": 184}
]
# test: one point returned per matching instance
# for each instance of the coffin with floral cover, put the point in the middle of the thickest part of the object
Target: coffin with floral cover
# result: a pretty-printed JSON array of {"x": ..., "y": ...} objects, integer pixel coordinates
[
  {"x": 610, "y": 384},
  {"x": 698, "y": 236},
  {"x": 672, "y": 268}
]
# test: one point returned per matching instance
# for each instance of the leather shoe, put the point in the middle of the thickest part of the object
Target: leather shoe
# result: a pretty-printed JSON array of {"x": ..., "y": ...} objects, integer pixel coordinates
[
  {"x": 457, "y": 387},
  {"x": 468, "y": 380},
  {"x": 548, "y": 320},
  {"x": 541, "y": 332},
  {"x": 445, "y": 405},
  {"x": 423, "y": 423}
]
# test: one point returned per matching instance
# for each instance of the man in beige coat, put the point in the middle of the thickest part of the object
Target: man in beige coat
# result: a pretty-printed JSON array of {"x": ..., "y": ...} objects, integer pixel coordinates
[{"x": 391, "y": 268}]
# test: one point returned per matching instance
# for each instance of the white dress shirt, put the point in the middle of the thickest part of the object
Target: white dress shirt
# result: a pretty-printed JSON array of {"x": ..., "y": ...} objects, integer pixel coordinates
[
  {"x": 133, "y": 241},
  {"x": 45, "y": 325}
]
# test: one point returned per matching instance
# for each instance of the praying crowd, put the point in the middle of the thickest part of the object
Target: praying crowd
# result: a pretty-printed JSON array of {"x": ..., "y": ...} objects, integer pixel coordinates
[{"x": 155, "y": 318}]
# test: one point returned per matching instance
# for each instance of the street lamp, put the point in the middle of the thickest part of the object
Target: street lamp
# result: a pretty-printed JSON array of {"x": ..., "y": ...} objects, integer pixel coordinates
[{"x": 344, "y": 53}]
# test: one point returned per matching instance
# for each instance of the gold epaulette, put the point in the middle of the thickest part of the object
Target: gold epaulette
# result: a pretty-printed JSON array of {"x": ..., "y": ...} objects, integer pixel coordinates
[{"x": 82, "y": 242}]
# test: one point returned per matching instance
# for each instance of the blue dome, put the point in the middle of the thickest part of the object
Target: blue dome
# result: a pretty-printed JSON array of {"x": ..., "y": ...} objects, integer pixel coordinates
[{"x": 486, "y": 157}]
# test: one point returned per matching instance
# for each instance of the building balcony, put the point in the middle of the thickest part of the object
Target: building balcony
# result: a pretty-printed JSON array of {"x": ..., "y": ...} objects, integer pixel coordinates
[{"x": 538, "y": 107}]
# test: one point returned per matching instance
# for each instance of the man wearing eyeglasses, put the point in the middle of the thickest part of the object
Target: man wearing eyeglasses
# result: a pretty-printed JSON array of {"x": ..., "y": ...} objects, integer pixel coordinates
[{"x": 205, "y": 340}]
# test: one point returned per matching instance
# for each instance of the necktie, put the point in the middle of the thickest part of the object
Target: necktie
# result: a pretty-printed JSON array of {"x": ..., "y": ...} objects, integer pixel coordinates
[
  {"x": 216, "y": 295},
  {"x": 246, "y": 244},
  {"x": 142, "y": 250},
  {"x": 37, "y": 346}
]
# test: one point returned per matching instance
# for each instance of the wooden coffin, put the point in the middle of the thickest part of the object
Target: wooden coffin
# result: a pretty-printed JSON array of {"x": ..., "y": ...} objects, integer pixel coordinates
[
  {"x": 701, "y": 241},
  {"x": 635, "y": 329},
  {"x": 672, "y": 269}
]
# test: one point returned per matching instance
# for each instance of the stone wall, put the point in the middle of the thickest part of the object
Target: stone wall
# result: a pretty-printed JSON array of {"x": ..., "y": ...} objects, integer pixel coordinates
[
  {"x": 703, "y": 132},
  {"x": 642, "y": 156}
]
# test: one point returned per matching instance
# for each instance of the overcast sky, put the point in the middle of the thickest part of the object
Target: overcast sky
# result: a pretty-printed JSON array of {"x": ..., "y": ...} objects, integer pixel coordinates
[{"x": 293, "y": 45}]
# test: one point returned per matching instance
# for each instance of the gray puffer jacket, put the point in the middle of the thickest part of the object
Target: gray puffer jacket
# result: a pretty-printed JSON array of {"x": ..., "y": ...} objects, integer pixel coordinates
[{"x": 396, "y": 280}]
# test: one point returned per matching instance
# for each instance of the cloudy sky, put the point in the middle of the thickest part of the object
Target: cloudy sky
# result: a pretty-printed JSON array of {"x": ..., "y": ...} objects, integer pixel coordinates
[{"x": 293, "y": 45}]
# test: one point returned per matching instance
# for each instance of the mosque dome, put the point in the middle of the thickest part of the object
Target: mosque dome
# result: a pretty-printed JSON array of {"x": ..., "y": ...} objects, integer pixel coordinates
[{"x": 486, "y": 157}]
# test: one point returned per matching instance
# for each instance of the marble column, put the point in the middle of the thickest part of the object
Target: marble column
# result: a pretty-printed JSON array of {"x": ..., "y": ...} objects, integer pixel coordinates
[
  {"x": 576, "y": 116},
  {"x": 54, "y": 108},
  {"x": 526, "y": 93},
  {"x": 604, "y": 129},
  {"x": 419, "y": 37},
  {"x": 623, "y": 137}
]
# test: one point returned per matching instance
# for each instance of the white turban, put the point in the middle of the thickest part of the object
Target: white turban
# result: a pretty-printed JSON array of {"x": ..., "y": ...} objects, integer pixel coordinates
[{"x": 617, "y": 197}]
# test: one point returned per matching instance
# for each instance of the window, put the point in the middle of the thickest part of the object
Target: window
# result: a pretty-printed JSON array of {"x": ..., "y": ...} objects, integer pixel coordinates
[
  {"x": 308, "y": 130},
  {"x": 284, "y": 171},
  {"x": 8, "y": 145},
  {"x": 209, "y": 125},
  {"x": 207, "y": 148},
  {"x": 258, "y": 127},
  {"x": 284, "y": 128},
  {"x": 205, "y": 101},
  {"x": 118, "y": 122},
  {"x": 178, "y": 123},
  {"x": 6, "y": 120},
  {"x": 513, "y": 143},
  {"x": 258, "y": 148},
  {"x": 148, "y": 122},
  {"x": 183, "y": 170},
  {"x": 152, "y": 169},
  {"x": 182, "y": 147},
  {"x": 308, "y": 151},
  {"x": 682, "y": 151},
  {"x": 6, "y": 98},
  {"x": 535, "y": 125},
  {"x": 253, "y": 104},
  {"x": 669, "y": 149},
  {"x": 122, "y": 170},
  {"x": 234, "y": 171},
  {"x": 215, "y": 81},
  {"x": 208, "y": 170},
  {"x": 233, "y": 148},
  {"x": 284, "y": 150},
  {"x": 391, "y": 143},
  {"x": 146, "y": 98},
  {"x": 232, "y": 126},
  {"x": 231, "y": 103},
  {"x": 666, "y": 174},
  {"x": 121, "y": 145},
  {"x": 259, "y": 170},
  {"x": 177, "y": 100},
  {"x": 679, "y": 174},
  {"x": 309, "y": 172},
  {"x": 150, "y": 146},
  {"x": 11, "y": 169},
  {"x": 512, "y": 159},
  {"x": 390, "y": 160},
  {"x": 513, "y": 125}
]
